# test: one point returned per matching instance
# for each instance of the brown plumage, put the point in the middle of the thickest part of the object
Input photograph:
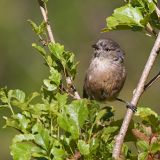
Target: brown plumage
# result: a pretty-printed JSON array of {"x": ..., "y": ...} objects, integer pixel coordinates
[{"x": 106, "y": 73}]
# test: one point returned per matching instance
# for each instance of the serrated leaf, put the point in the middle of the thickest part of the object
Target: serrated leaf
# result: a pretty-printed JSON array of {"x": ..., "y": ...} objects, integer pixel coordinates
[
  {"x": 17, "y": 94},
  {"x": 23, "y": 137},
  {"x": 125, "y": 17},
  {"x": 83, "y": 147},
  {"x": 18, "y": 121}
]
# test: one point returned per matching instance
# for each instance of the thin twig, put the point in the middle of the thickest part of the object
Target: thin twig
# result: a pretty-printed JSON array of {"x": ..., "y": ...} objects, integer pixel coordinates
[
  {"x": 44, "y": 12},
  {"x": 136, "y": 96},
  {"x": 154, "y": 79}
]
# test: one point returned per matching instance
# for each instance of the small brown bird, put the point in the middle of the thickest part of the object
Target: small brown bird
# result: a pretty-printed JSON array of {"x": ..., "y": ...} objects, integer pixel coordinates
[{"x": 106, "y": 74}]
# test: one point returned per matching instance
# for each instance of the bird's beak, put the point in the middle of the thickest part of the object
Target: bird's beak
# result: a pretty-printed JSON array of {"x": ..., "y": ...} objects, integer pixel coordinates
[{"x": 95, "y": 46}]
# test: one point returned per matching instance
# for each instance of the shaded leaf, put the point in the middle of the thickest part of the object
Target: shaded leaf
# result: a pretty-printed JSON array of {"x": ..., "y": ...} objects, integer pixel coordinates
[
  {"x": 40, "y": 49},
  {"x": 83, "y": 147},
  {"x": 73, "y": 117}
]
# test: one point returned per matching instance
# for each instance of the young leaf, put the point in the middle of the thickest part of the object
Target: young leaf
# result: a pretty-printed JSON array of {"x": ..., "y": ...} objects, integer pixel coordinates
[
  {"x": 126, "y": 17},
  {"x": 83, "y": 147},
  {"x": 56, "y": 49},
  {"x": 17, "y": 94},
  {"x": 38, "y": 29},
  {"x": 39, "y": 49}
]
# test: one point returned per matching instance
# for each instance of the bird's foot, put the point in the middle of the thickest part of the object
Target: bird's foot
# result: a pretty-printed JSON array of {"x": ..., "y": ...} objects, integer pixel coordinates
[{"x": 131, "y": 106}]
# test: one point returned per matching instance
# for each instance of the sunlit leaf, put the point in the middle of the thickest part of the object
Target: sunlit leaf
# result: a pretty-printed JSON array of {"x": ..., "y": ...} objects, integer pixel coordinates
[
  {"x": 42, "y": 136},
  {"x": 25, "y": 150},
  {"x": 17, "y": 94},
  {"x": 125, "y": 17}
]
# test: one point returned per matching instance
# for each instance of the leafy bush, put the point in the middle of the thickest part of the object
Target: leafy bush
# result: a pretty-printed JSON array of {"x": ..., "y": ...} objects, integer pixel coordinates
[{"x": 53, "y": 125}]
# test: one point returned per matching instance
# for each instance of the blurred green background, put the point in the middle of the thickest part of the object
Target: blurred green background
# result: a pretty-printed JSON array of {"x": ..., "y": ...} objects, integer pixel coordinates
[{"x": 77, "y": 24}]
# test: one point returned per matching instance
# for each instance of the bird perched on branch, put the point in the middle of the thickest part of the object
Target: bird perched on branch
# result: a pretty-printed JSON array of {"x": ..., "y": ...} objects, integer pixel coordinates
[{"x": 106, "y": 74}]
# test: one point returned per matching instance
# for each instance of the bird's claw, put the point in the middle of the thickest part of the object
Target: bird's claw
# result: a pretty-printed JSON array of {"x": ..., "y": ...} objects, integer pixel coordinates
[{"x": 132, "y": 107}]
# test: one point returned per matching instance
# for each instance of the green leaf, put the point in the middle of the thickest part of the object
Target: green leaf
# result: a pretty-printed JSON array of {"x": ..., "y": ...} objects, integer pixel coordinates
[
  {"x": 107, "y": 133},
  {"x": 143, "y": 146},
  {"x": 42, "y": 136},
  {"x": 94, "y": 144},
  {"x": 3, "y": 95},
  {"x": 49, "y": 86},
  {"x": 40, "y": 49},
  {"x": 83, "y": 147},
  {"x": 55, "y": 76},
  {"x": 155, "y": 147},
  {"x": 18, "y": 121},
  {"x": 147, "y": 6},
  {"x": 23, "y": 137},
  {"x": 17, "y": 94},
  {"x": 56, "y": 49},
  {"x": 145, "y": 112},
  {"x": 57, "y": 150},
  {"x": 62, "y": 99},
  {"x": 38, "y": 29},
  {"x": 73, "y": 117},
  {"x": 148, "y": 115},
  {"x": 125, "y": 17},
  {"x": 25, "y": 150},
  {"x": 142, "y": 156},
  {"x": 31, "y": 97}
]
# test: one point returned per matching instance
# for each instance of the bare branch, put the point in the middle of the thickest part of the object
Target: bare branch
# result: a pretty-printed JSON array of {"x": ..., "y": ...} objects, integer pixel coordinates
[
  {"x": 158, "y": 11},
  {"x": 136, "y": 96},
  {"x": 44, "y": 12},
  {"x": 154, "y": 79}
]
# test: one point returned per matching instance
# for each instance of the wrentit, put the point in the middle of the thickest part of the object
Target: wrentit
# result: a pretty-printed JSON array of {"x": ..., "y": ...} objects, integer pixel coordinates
[{"x": 106, "y": 74}]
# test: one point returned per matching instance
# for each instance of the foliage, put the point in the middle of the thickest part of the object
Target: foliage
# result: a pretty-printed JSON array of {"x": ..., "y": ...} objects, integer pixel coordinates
[
  {"x": 52, "y": 125},
  {"x": 136, "y": 15}
]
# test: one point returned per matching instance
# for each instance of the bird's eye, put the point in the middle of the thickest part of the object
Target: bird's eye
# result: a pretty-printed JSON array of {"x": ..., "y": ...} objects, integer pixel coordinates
[{"x": 107, "y": 49}]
